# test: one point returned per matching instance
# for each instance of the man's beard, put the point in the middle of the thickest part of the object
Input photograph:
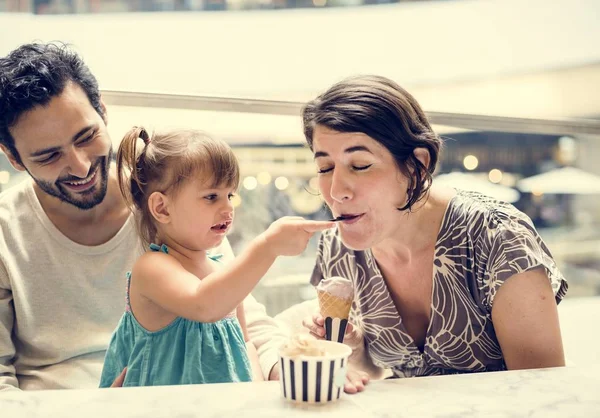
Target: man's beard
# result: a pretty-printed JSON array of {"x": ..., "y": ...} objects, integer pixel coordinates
[{"x": 88, "y": 198}]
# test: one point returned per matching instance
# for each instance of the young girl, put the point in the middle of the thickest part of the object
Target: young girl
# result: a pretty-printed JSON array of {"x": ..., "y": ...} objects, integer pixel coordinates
[{"x": 184, "y": 321}]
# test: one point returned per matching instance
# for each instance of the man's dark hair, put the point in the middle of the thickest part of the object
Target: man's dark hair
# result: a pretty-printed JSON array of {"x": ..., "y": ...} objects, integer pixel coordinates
[{"x": 32, "y": 75}]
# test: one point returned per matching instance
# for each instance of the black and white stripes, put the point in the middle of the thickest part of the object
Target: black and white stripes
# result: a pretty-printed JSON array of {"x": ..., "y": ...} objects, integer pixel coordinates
[
  {"x": 335, "y": 329},
  {"x": 314, "y": 379}
]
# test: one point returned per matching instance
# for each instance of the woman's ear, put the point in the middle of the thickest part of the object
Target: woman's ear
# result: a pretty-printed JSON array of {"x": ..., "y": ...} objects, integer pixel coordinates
[
  {"x": 158, "y": 205},
  {"x": 422, "y": 154}
]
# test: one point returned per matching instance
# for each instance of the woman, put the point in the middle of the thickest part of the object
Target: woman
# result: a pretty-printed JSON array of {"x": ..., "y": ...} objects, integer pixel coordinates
[{"x": 445, "y": 281}]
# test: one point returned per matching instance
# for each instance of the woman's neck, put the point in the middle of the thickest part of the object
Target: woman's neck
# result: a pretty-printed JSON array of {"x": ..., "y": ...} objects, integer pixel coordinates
[{"x": 418, "y": 230}]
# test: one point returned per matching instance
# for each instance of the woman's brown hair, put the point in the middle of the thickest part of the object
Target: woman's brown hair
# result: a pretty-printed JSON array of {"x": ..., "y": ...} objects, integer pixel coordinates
[
  {"x": 164, "y": 162},
  {"x": 381, "y": 109}
]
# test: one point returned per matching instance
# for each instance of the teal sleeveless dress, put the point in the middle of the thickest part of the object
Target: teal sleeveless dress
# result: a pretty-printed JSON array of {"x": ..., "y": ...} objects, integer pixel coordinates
[{"x": 183, "y": 352}]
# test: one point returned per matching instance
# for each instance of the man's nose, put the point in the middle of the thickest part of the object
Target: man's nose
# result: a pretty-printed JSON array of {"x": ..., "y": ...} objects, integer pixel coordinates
[{"x": 79, "y": 164}]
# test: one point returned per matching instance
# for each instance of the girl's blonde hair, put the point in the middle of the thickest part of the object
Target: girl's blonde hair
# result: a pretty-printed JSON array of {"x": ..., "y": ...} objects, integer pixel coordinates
[{"x": 164, "y": 162}]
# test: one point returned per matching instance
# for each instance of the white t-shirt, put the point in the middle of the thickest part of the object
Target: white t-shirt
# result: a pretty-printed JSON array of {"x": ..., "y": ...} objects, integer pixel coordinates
[{"x": 60, "y": 301}]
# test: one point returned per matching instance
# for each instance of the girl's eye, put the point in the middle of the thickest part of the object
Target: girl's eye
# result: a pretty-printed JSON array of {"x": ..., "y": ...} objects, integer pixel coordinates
[
  {"x": 360, "y": 168},
  {"x": 230, "y": 196},
  {"x": 324, "y": 170},
  {"x": 211, "y": 197}
]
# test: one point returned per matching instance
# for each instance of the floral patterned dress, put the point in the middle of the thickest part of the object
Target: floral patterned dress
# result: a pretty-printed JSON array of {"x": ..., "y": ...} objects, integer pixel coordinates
[{"x": 482, "y": 242}]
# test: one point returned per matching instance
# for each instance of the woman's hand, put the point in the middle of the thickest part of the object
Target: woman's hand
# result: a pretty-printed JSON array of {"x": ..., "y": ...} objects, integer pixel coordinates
[
  {"x": 355, "y": 379},
  {"x": 316, "y": 325}
]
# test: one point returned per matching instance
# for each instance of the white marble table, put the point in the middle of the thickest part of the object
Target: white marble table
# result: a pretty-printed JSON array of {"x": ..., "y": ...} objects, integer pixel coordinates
[{"x": 561, "y": 392}]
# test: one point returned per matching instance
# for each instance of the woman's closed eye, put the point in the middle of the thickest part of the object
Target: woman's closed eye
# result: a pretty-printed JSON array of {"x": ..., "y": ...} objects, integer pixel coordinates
[
  {"x": 361, "y": 167},
  {"x": 354, "y": 167}
]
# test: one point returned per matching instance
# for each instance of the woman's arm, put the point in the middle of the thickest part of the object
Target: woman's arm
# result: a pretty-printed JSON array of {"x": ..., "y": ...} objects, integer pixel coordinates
[
  {"x": 526, "y": 322},
  {"x": 257, "y": 375}
]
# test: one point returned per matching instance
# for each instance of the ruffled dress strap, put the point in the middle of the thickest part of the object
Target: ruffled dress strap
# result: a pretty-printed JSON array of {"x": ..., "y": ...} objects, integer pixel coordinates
[{"x": 163, "y": 248}]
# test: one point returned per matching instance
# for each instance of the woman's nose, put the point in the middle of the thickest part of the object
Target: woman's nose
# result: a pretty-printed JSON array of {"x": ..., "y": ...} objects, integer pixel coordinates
[{"x": 341, "y": 188}]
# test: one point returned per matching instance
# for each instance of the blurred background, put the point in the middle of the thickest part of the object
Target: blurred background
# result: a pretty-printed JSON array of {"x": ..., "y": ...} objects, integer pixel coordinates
[{"x": 513, "y": 87}]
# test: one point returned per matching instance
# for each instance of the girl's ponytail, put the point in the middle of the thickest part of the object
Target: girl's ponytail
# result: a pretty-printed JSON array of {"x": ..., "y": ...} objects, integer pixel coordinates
[{"x": 130, "y": 166}]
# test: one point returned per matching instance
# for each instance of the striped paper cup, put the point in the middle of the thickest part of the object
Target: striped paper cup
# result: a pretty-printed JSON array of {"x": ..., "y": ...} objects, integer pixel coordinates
[
  {"x": 335, "y": 329},
  {"x": 315, "y": 379}
]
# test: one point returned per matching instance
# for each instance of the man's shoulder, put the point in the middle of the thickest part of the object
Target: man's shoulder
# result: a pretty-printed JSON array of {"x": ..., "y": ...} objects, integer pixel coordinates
[{"x": 14, "y": 200}]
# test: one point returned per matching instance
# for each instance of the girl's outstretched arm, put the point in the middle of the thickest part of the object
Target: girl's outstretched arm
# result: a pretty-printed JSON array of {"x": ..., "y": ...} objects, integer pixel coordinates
[{"x": 161, "y": 279}]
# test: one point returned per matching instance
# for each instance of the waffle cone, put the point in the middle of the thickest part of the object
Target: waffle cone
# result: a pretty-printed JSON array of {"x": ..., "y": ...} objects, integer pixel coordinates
[{"x": 333, "y": 306}]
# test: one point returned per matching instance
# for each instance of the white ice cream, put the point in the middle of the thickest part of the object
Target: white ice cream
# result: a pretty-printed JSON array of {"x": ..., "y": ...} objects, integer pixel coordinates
[
  {"x": 302, "y": 345},
  {"x": 337, "y": 286}
]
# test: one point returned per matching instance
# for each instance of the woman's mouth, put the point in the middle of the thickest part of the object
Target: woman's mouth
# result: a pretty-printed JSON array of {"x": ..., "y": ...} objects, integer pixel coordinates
[
  {"x": 83, "y": 184},
  {"x": 348, "y": 218}
]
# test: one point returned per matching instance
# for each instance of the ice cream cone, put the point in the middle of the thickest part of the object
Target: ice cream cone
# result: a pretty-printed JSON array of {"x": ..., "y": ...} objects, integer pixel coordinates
[
  {"x": 334, "y": 306},
  {"x": 335, "y": 311}
]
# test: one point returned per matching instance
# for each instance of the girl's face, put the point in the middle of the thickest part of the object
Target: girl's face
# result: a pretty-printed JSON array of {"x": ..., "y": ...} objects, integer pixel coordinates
[
  {"x": 359, "y": 179},
  {"x": 200, "y": 216}
]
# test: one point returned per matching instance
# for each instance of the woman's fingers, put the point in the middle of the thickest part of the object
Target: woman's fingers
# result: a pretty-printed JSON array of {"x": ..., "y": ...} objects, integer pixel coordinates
[
  {"x": 355, "y": 381},
  {"x": 313, "y": 327}
]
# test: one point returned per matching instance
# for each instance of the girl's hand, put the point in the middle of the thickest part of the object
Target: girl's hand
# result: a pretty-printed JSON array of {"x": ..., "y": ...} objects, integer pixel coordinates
[
  {"x": 120, "y": 379},
  {"x": 289, "y": 235}
]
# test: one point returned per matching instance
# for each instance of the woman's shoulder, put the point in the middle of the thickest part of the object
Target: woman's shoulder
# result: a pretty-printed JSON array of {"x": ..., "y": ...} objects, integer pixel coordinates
[{"x": 479, "y": 213}]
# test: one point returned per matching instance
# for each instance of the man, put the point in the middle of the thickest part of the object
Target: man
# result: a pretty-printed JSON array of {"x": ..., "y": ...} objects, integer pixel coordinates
[{"x": 67, "y": 237}]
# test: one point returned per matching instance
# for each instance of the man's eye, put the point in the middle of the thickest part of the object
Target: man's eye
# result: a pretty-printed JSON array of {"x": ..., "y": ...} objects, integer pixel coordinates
[
  {"x": 52, "y": 157},
  {"x": 360, "y": 168},
  {"x": 87, "y": 139},
  {"x": 324, "y": 170}
]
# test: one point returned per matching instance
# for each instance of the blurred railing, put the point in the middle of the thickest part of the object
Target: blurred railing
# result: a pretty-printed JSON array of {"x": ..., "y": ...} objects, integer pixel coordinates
[
  {"x": 107, "y": 6},
  {"x": 275, "y": 107}
]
